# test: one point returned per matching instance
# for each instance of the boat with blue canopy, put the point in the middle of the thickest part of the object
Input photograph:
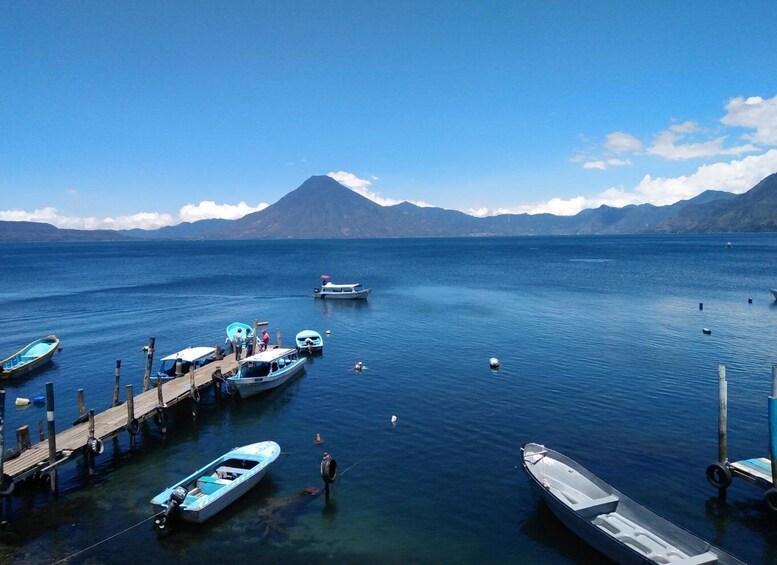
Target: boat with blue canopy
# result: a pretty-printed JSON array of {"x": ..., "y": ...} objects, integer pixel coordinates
[
  {"x": 30, "y": 357},
  {"x": 309, "y": 341},
  {"x": 215, "y": 486},
  {"x": 181, "y": 362},
  {"x": 266, "y": 370}
]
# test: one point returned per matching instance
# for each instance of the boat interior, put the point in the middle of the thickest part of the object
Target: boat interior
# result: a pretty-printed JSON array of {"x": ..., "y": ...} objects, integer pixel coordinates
[{"x": 220, "y": 476}]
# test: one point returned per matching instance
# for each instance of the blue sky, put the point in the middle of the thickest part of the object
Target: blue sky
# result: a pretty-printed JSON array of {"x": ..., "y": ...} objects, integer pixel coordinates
[{"x": 143, "y": 114}]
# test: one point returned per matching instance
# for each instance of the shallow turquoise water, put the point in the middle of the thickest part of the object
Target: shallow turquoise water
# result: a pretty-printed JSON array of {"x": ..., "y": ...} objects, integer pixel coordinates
[{"x": 602, "y": 358}]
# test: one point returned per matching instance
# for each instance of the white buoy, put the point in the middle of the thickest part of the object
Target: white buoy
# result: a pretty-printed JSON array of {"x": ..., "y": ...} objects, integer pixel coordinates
[
  {"x": 22, "y": 401},
  {"x": 327, "y": 332},
  {"x": 493, "y": 363},
  {"x": 706, "y": 331},
  {"x": 393, "y": 419}
]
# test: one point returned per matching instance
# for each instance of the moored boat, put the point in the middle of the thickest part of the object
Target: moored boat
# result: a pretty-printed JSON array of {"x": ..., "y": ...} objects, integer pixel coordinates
[
  {"x": 309, "y": 341},
  {"x": 216, "y": 485},
  {"x": 189, "y": 358},
  {"x": 266, "y": 370},
  {"x": 246, "y": 332},
  {"x": 349, "y": 291},
  {"x": 608, "y": 520},
  {"x": 30, "y": 357}
]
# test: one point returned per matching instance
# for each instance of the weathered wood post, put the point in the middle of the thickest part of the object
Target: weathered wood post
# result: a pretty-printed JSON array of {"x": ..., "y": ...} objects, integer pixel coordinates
[
  {"x": 256, "y": 329},
  {"x": 216, "y": 378},
  {"x": 2, "y": 428},
  {"x": 23, "y": 442},
  {"x": 117, "y": 373},
  {"x": 52, "y": 435},
  {"x": 161, "y": 413},
  {"x": 278, "y": 336},
  {"x": 89, "y": 449},
  {"x": 133, "y": 425},
  {"x": 773, "y": 426},
  {"x": 194, "y": 394},
  {"x": 149, "y": 363},
  {"x": 40, "y": 430},
  {"x": 722, "y": 414},
  {"x": 178, "y": 367},
  {"x": 80, "y": 397}
]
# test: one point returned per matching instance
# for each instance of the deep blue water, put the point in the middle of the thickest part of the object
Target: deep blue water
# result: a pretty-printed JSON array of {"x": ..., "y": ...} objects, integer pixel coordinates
[{"x": 602, "y": 358}]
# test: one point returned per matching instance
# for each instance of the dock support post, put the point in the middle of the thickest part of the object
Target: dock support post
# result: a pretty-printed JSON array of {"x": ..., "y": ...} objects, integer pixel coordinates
[
  {"x": 89, "y": 449},
  {"x": 133, "y": 426},
  {"x": 52, "y": 435},
  {"x": 80, "y": 397},
  {"x": 161, "y": 413},
  {"x": 773, "y": 426},
  {"x": 722, "y": 414},
  {"x": 178, "y": 367},
  {"x": 40, "y": 431},
  {"x": 256, "y": 328},
  {"x": 216, "y": 378},
  {"x": 149, "y": 363},
  {"x": 117, "y": 373},
  {"x": 278, "y": 337},
  {"x": 23, "y": 442},
  {"x": 2, "y": 426},
  {"x": 194, "y": 394}
]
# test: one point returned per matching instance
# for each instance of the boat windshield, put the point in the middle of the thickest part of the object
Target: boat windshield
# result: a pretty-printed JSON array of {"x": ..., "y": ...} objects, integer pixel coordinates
[{"x": 254, "y": 369}]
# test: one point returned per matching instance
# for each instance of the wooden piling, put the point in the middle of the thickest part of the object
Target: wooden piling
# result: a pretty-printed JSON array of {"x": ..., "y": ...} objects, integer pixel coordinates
[
  {"x": 52, "y": 435},
  {"x": 178, "y": 367},
  {"x": 722, "y": 414},
  {"x": 149, "y": 363},
  {"x": 278, "y": 337},
  {"x": 130, "y": 415},
  {"x": 2, "y": 426},
  {"x": 117, "y": 373},
  {"x": 40, "y": 431},
  {"x": 89, "y": 453},
  {"x": 23, "y": 442},
  {"x": 80, "y": 397},
  {"x": 216, "y": 379},
  {"x": 256, "y": 329},
  {"x": 194, "y": 394}
]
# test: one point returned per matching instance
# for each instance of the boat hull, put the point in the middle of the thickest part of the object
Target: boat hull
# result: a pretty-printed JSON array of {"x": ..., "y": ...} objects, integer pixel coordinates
[
  {"x": 199, "y": 508},
  {"x": 30, "y": 357},
  {"x": 255, "y": 385},
  {"x": 606, "y": 519},
  {"x": 358, "y": 295},
  {"x": 309, "y": 341}
]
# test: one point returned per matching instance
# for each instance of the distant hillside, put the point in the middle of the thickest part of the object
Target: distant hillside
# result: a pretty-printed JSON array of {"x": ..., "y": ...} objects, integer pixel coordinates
[
  {"x": 322, "y": 208},
  {"x": 38, "y": 231},
  {"x": 753, "y": 211}
]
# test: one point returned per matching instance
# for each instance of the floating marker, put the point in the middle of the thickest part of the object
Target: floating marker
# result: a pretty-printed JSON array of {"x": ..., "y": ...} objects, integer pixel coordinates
[
  {"x": 318, "y": 440},
  {"x": 749, "y": 300},
  {"x": 393, "y": 419},
  {"x": 327, "y": 332},
  {"x": 493, "y": 363},
  {"x": 701, "y": 305},
  {"x": 706, "y": 331},
  {"x": 22, "y": 401}
]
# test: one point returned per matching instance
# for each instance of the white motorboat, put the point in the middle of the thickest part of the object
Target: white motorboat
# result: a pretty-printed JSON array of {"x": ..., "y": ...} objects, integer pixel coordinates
[
  {"x": 216, "y": 485},
  {"x": 191, "y": 357},
  {"x": 607, "y": 519},
  {"x": 349, "y": 291},
  {"x": 266, "y": 370}
]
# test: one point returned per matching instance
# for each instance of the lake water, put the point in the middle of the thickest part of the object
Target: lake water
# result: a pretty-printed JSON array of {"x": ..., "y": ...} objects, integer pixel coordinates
[{"x": 602, "y": 358}]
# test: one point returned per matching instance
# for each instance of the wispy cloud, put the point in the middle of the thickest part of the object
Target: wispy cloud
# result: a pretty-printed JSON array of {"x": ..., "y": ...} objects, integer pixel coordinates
[
  {"x": 208, "y": 209},
  {"x": 604, "y": 164},
  {"x": 622, "y": 142},
  {"x": 362, "y": 186},
  {"x": 754, "y": 113}
]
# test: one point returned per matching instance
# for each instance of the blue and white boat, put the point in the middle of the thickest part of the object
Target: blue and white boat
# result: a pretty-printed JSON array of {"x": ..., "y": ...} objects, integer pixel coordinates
[
  {"x": 266, "y": 370},
  {"x": 216, "y": 485},
  {"x": 181, "y": 362},
  {"x": 30, "y": 357},
  {"x": 309, "y": 341},
  {"x": 246, "y": 332},
  {"x": 348, "y": 291}
]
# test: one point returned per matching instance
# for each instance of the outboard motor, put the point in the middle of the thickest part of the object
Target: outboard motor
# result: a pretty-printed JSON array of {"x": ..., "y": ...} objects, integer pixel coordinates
[{"x": 175, "y": 500}]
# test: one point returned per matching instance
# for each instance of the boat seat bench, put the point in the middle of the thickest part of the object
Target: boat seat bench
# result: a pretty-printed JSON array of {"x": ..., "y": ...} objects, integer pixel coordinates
[
  {"x": 647, "y": 542},
  {"x": 596, "y": 506}
]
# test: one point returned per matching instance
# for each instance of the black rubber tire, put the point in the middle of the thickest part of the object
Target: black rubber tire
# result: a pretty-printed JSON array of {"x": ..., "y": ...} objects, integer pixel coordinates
[
  {"x": 719, "y": 476},
  {"x": 160, "y": 418},
  {"x": 771, "y": 499},
  {"x": 194, "y": 394},
  {"x": 6, "y": 485},
  {"x": 328, "y": 470},
  {"x": 133, "y": 427},
  {"x": 95, "y": 445},
  {"x": 11, "y": 453}
]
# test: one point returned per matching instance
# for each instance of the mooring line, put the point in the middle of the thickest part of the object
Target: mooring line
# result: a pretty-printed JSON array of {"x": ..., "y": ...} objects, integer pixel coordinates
[
  {"x": 355, "y": 464},
  {"x": 103, "y": 541}
]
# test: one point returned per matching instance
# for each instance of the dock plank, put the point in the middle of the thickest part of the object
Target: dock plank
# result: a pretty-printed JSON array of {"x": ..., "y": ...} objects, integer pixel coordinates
[{"x": 112, "y": 421}]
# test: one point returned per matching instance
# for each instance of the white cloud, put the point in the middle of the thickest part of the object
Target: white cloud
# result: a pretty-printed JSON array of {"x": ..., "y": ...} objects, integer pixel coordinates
[
  {"x": 622, "y": 142},
  {"x": 736, "y": 176},
  {"x": 665, "y": 145},
  {"x": 208, "y": 209},
  {"x": 143, "y": 220},
  {"x": 361, "y": 186},
  {"x": 602, "y": 165},
  {"x": 754, "y": 113}
]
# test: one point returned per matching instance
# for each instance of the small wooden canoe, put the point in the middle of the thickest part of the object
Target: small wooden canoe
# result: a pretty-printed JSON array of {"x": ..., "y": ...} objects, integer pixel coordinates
[{"x": 30, "y": 357}]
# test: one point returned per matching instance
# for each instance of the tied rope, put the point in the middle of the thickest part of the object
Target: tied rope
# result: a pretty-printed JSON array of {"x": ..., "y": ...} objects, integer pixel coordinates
[{"x": 103, "y": 541}]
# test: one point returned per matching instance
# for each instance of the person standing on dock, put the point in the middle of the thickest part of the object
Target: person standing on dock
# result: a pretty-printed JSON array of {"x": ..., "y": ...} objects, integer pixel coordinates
[
  {"x": 237, "y": 343},
  {"x": 265, "y": 339}
]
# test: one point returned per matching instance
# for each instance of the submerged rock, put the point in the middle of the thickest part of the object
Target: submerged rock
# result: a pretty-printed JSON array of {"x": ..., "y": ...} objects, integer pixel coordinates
[{"x": 277, "y": 516}]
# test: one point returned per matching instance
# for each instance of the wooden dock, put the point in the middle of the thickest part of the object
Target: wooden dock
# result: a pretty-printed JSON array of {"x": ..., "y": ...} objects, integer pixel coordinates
[{"x": 86, "y": 438}]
